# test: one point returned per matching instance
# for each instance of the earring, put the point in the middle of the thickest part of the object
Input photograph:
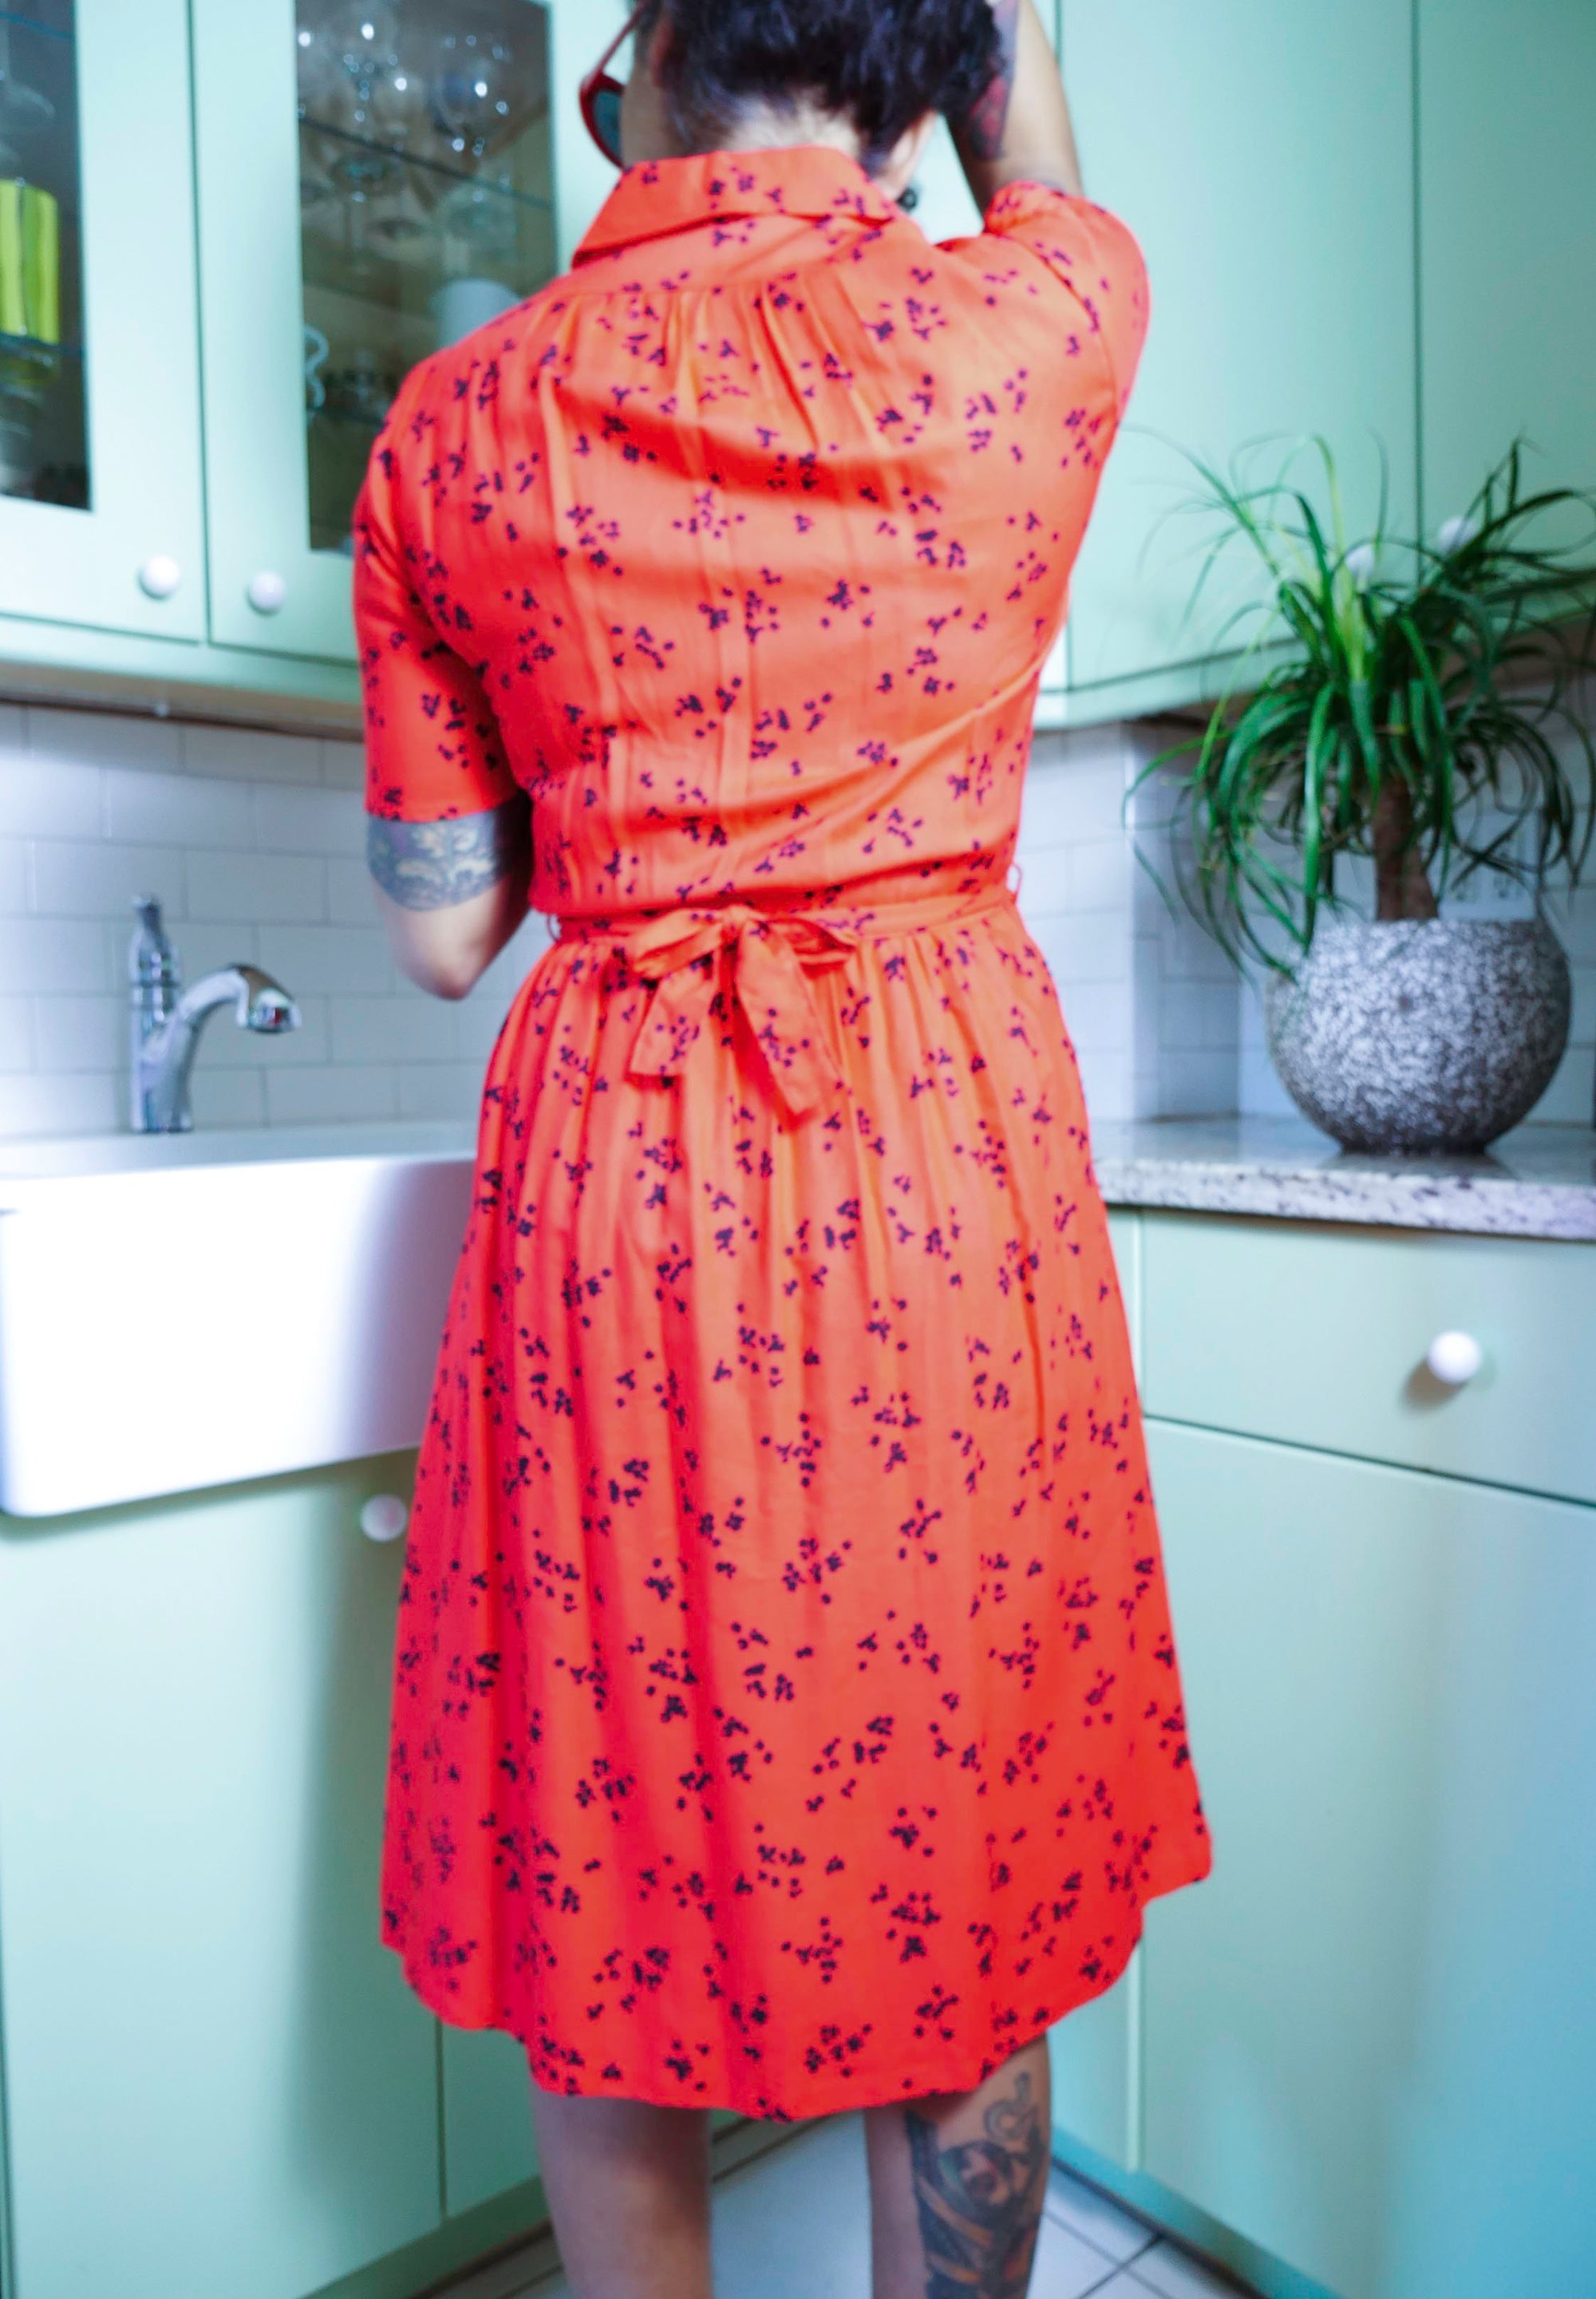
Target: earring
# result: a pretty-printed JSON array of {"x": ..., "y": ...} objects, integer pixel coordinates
[{"x": 908, "y": 199}]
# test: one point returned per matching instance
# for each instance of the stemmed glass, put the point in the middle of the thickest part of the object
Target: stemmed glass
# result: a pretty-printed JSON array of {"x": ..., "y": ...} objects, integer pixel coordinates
[
  {"x": 483, "y": 96},
  {"x": 470, "y": 94},
  {"x": 358, "y": 80}
]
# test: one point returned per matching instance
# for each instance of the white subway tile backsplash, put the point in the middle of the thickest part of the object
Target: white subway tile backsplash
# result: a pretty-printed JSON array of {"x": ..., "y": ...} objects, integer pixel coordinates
[
  {"x": 1070, "y": 802},
  {"x": 351, "y": 901},
  {"x": 344, "y": 764},
  {"x": 442, "y": 1090},
  {"x": 1098, "y": 875},
  {"x": 1078, "y": 949},
  {"x": 242, "y": 754},
  {"x": 61, "y": 954},
  {"x": 40, "y": 795},
  {"x": 1098, "y": 1015},
  {"x": 223, "y": 1097},
  {"x": 173, "y": 809},
  {"x": 330, "y": 1096},
  {"x": 479, "y": 1018},
  {"x": 80, "y": 1033},
  {"x": 102, "y": 738},
  {"x": 255, "y": 843},
  {"x": 1566, "y": 1100},
  {"x": 34, "y": 1105},
  {"x": 408, "y": 1028},
  {"x": 276, "y": 888},
  {"x": 16, "y": 1034},
  {"x": 75, "y": 878},
  {"x": 346, "y": 961},
  {"x": 1106, "y": 1082},
  {"x": 294, "y": 821}
]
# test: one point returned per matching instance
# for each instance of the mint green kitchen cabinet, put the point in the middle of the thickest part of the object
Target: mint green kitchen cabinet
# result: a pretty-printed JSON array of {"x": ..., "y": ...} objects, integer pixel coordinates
[
  {"x": 99, "y": 379},
  {"x": 1264, "y": 157},
  {"x": 247, "y": 154},
  {"x": 1506, "y": 241},
  {"x": 1370, "y": 2035},
  {"x": 1317, "y": 1335},
  {"x": 215, "y": 2078},
  {"x": 487, "y": 2118},
  {"x": 1095, "y": 2059},
  {"x": 372, "y": 186}
]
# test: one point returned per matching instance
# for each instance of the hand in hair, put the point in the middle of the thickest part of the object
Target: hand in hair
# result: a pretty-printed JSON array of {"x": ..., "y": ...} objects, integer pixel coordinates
[{"x": 1018, "y": 129}]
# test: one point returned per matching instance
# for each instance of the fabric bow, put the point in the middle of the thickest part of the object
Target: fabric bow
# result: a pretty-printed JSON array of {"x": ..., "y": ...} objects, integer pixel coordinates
[{"x": 772, "y": 960}]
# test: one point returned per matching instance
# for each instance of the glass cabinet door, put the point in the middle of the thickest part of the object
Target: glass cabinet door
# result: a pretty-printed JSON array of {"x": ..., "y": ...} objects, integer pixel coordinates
[
  {"x": 377, "y": 180},
  {"x": 99, "y": 421}
]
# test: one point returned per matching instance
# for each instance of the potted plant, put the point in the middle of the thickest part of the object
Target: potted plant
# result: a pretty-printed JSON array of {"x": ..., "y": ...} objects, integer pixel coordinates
[{"x": 1424, "y": 725}]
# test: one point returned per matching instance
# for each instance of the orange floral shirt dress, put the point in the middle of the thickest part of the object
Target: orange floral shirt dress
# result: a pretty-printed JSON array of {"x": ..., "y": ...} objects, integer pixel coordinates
[{"x": 786, "y": 1716}]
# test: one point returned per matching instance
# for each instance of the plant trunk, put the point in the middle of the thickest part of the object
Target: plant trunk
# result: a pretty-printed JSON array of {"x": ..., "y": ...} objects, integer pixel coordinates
[{"x": 1402, "y": 887}]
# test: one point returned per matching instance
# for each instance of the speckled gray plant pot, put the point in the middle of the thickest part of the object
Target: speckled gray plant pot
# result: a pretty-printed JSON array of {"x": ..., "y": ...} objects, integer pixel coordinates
[{"x": 1425, "y": 1036}]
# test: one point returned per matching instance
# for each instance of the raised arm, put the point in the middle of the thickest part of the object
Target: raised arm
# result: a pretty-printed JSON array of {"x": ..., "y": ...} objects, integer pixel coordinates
[
  {"x": 452, "y": 894},
  {"x": 1019, "y": 130}
]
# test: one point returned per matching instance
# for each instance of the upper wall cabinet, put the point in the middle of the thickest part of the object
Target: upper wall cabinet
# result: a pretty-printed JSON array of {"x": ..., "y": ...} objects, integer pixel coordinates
[
  {"x": 1506, "y": 242},
  {"x": 376, "y": 176},
  {"x": 100, "y": 515},
  {"x": 1263, "y": 156},
  {"x": 377, "y": 180}
]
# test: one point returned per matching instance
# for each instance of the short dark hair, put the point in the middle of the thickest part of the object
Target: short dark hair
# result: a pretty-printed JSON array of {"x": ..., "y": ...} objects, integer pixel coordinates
[{"x": 883, "y": 62}]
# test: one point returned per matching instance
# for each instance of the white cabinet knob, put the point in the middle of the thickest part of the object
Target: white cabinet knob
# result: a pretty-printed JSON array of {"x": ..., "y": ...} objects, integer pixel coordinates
[
  {"x": 268, "y": 592},
  {"x": 160, "y": 576},
  {"x": 384, "y": 1517},
  {"x": 1454, "y": 1358}
]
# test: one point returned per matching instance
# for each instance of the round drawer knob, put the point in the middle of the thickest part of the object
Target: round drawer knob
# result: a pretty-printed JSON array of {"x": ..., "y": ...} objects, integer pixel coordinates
[
  {"x": 1454, "y": 1358},
  {"x": 160, "y": 576},
  {"x": 268, "y": 592},
  {"x": 384, "y": 1517}
]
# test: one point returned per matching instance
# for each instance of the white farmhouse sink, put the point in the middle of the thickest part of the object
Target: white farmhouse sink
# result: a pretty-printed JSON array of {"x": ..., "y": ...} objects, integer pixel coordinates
[{"x": 187, "y": 1311}]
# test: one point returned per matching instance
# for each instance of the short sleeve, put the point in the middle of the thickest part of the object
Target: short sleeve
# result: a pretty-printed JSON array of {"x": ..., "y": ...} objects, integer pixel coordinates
[
  {"x": 1093, "y": 256},
  {"x": 433, "y": 746}
]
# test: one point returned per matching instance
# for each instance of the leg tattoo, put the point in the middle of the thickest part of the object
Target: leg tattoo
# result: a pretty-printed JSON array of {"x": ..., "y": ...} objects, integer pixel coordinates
[{"x": 980, "y": 2203}]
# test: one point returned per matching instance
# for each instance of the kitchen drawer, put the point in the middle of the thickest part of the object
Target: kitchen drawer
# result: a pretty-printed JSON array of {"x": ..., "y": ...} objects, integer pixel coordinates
[{"x": 1318, "y": 1336}]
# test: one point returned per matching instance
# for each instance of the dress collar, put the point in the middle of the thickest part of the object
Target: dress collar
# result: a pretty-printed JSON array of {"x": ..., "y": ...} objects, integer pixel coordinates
[{"x": 801, "y": 180}]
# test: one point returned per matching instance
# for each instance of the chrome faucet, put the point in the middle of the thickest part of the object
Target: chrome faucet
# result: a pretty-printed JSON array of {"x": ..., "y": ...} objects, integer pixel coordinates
[{"x": 167, "y": 1020}]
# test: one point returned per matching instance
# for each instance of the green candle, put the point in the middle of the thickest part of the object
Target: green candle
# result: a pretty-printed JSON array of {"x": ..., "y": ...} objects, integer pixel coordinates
[
  {"x": 13, "y": 306},
  {"x": 41, "y": 263}
]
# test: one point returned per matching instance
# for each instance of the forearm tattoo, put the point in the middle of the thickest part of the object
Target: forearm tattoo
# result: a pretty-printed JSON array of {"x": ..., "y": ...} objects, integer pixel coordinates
[
  {"x": 980, "y": 2203},
  {"x": 431, "y": 865},
  {"x": 980, "y": 133}
]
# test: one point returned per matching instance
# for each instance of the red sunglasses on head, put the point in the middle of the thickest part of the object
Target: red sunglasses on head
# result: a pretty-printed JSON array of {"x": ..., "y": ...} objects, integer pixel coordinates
[{"x": 601, "y": 93}]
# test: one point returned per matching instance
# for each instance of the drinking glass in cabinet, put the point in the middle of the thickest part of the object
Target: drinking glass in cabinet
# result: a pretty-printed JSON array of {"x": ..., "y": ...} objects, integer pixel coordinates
[
  {"x": 44, "y": 432},
  {"x": 426, "y": 194}
]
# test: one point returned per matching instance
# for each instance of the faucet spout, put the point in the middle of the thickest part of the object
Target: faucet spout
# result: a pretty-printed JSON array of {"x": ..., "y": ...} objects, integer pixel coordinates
[{"x": 166, "y": 1045}]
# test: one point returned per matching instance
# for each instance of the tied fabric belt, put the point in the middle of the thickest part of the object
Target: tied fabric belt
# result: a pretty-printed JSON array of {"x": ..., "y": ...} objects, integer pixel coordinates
[{"x": 772, "y": 958}]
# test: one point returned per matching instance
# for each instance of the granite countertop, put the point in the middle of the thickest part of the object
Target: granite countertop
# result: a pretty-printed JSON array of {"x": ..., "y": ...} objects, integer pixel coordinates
[{"x": 1539, "y": 1181}]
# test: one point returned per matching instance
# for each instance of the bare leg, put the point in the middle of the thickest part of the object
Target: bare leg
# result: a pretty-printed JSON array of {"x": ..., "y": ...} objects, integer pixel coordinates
[
  {"x": 957, "y": 2184},
  {"x": 628, "y": 2186}
]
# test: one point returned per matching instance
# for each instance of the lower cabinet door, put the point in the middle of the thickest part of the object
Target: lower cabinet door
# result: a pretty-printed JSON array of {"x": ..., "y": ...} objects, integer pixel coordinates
[
  {"x": 217, "y": 2085},
  {"x": 1371, "y": 2035},
  {"x": 1091, "y": 2057},
  {"x": 487, "y": 2118}
]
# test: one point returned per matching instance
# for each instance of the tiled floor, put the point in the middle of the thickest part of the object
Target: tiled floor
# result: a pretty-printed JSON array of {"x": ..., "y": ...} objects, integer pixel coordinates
[{"x": 794, "y": 2224}]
